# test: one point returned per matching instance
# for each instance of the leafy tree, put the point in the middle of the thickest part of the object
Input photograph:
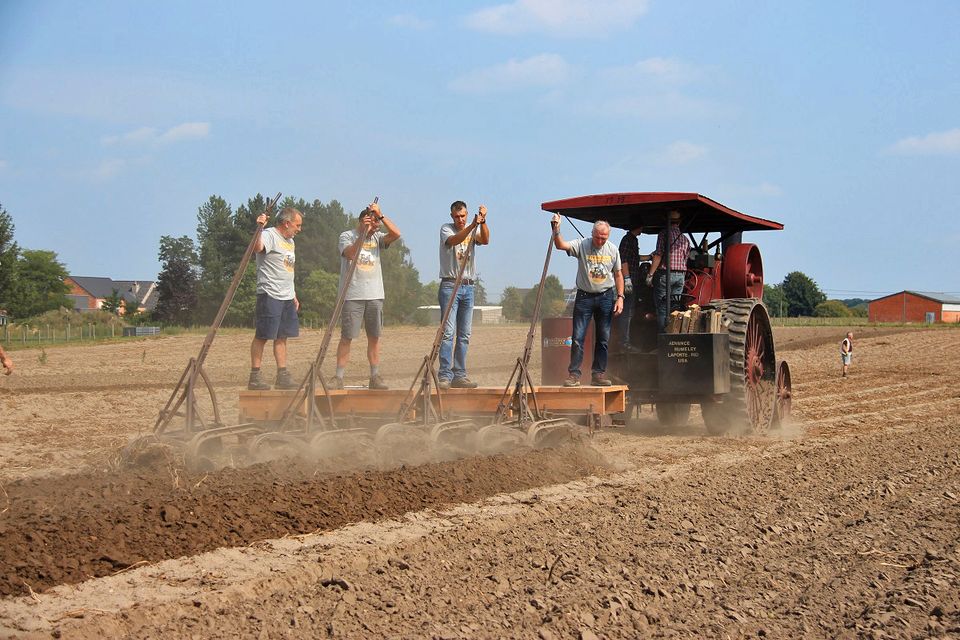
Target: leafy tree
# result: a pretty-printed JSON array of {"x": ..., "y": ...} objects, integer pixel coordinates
[
  {"x": 318, "y": 296},
  {"x": 131, "y": 310},
  {"x": 9, "y": 254},
  {"x": 773, "y": 298},
  {"x": 39, "y": 286},
  {"x": 177, "y": 282},
  {"x": 112, "y": 303},
  {"x": 220, "y": 246},
  {"x": 861, "y": 310},
  {"x": 802, "y": 295},
  {"x": 401, "y": 284},
  {"x": 479, "y": 293},
  {"x": 832, "y": 309},
  {"x": 853, "y": 303},
  {"x": 550, "y": 305},
  {"x": 512, "y": 303},
  {"x": 430, "y": 293}
]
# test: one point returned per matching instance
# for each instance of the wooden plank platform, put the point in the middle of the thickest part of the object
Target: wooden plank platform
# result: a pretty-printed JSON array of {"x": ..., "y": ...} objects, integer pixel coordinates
[{"x": 270, "y": 405}]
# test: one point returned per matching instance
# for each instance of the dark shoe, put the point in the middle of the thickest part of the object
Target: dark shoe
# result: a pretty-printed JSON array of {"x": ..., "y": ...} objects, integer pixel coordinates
[
  {"x": 376, "y": 382},
  {"x": 600, "y": 380},
  {"x": 463, "y": 383},
  {"x": 285, "y": 381},
  {"x": 335, "y": 383},
  {"x": 256, "y": 382},
  {"x": 572, "y": 381},
  {"x": 444, "y": 384}
]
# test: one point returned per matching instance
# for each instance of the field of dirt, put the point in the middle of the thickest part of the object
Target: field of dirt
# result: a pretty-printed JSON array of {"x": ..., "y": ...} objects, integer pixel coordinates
[{"x": 844, "y": 523}]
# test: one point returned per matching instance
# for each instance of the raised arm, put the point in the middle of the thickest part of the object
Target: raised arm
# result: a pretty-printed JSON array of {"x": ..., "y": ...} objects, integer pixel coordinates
[
  {"x": 558, "y": 241},
  {"x": 393, "y": 233}
]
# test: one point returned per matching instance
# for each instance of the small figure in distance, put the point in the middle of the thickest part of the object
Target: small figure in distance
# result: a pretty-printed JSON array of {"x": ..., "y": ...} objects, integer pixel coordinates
[
  {"x": 363, "y": 302},
  {"x": 599, "y": 296},
  {"x": 846, "y": 353}
]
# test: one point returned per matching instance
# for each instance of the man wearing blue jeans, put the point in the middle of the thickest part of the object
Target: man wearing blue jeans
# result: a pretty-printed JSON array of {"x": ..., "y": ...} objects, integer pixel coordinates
[
  {"x": 678, "y": 249},
  {"x": 599, "y": 296},
  {"x": 458, "y": 242}
]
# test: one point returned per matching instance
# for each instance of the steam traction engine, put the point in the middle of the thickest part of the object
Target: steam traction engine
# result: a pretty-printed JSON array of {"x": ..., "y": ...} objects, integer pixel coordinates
[{"x": 717, "y": 350}]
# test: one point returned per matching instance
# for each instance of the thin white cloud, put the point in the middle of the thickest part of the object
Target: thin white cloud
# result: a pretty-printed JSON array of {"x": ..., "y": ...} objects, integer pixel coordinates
[
  {"x": 151, "y": 135},
  {"x": 109, "y": 168},
  {"x": 938, "y": 143},
  {"x": 652, "y": 105},
  {"x": 186, "y": 131},
  {"x": 682, "y": 152},
  {"x": 558, "y": 17},
  {"x": 410, "y": 21},
  {"x": 546, "y": 70},
  {"x": 667, "y": 70}
]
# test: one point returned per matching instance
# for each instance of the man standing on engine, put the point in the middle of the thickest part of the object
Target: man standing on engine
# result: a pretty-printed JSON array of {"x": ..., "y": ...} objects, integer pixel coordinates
[
  {"x": 599, "y": 296},
  {"x": 674, "y": 243}
]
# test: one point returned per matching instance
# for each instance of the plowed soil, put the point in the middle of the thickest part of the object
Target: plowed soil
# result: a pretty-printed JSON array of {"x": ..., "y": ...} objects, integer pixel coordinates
[{"x": 845, "y": 523}]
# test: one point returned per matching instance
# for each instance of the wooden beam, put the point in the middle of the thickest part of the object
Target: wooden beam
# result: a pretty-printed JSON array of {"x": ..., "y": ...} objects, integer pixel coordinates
[{"x": 270, "y": 405}]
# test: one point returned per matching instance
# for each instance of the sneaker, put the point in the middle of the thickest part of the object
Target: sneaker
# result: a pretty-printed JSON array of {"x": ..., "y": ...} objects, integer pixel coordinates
[
  {"x": 444, "y": 384},
  {"x": 572, "y": 381},
  {"x": 600, "y": 380},
  {"x": 256, "y": 382},
  {"x": 463, "y": 383},
  {"x": 376, "y": 382},
  {"x": 335, "y": 383},
  {"x": 285, "y": 381}
]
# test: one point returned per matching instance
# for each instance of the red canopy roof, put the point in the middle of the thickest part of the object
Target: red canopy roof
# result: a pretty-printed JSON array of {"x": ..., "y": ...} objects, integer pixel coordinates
[{"x": 649, "y": 210}]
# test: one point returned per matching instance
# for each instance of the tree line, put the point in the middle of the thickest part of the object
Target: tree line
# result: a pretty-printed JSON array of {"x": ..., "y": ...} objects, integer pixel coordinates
[{"x": 799, "y": 296}]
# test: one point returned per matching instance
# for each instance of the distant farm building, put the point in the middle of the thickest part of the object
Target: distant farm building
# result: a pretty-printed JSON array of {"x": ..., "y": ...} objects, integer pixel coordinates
[
  {"x": 482, "y": 314},
  {"x": 914, "y": 306},
  {"x": 88, "y": 293}
]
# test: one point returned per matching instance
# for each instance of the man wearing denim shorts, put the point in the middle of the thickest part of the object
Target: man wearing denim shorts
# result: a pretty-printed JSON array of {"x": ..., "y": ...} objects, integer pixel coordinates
[
  {"x": 599, "y": 296},
  {"x": 277, "y": 304},
  {"x": 457, "y": 240},
  {"x": 363, "y": 302}
]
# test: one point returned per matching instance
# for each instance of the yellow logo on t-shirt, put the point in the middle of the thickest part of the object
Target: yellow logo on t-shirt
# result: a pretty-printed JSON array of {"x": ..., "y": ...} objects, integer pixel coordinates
[
  {"x": 365, "y": 260},
  {"x": 599, "y": 268},
  {"x": 463, "y": 246}
]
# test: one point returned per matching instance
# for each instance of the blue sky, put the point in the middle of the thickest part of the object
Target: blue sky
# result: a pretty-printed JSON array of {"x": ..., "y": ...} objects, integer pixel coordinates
[{"x": 839, "y": 119}]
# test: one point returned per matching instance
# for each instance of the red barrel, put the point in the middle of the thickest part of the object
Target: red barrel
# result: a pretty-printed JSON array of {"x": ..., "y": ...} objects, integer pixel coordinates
[{"x": 556, "y": 338}]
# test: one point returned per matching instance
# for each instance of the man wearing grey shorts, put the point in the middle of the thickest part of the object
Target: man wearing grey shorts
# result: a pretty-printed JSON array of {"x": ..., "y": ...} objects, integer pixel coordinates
[{"x": 363, "y": 303}]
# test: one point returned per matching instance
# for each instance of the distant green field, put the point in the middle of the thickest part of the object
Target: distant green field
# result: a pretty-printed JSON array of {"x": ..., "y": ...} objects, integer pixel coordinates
[{"x": 851, "y": 322}]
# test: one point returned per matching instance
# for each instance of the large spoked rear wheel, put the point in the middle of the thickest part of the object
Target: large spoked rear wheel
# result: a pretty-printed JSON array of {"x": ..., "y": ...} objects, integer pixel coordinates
[{"x": 750, "y": 406}]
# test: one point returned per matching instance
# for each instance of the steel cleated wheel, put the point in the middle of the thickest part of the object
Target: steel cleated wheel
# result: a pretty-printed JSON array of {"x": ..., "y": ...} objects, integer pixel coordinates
[
  {"x": 750, "y": 406},
  {"x": 784, "y": 402}
]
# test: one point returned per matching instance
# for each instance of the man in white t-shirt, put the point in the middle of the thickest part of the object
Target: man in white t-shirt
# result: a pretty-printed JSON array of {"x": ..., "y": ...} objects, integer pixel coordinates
[
  {"x": 458, "y": 242},
  {"x": 599, "y": 297},
  {"x": 277, "y": 303},
  {"x": 363, "y": 302}
]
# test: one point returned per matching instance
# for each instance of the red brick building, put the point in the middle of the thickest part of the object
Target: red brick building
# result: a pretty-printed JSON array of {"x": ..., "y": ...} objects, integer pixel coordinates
[{"x": 914, "y": 306}]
